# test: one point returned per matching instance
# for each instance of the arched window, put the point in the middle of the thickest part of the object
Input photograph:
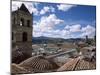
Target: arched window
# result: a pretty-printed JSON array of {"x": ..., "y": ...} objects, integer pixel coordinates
[
  {"x": 22, "y": 22},
  {"x": 28, "y": 23},
  {"x": 24, "y": 36}
]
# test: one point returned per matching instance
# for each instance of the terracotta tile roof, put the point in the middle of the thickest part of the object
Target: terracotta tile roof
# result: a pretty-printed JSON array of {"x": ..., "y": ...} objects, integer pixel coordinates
[
  {"x": 77, "y": 64},
  {"x": 17, "y": 69},
  {"x": 85, "y": 65},
  {"x": 38, "y": 64},
  {"x": 69, "y": 65}
]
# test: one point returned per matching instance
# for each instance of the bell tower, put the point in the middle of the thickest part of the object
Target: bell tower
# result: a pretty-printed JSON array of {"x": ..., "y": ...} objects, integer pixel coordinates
[{"x": 22, "y": 21}]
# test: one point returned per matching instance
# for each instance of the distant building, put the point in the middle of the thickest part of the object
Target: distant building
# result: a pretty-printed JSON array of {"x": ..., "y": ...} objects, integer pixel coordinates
[
  {"x": 86, "y": 38},
  {"x": 81, "y": 44},
  {"x": 22, "y": 22}
]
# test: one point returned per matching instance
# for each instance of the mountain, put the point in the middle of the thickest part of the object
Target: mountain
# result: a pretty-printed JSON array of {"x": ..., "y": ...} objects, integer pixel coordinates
[{"x": 43, "y": 39}]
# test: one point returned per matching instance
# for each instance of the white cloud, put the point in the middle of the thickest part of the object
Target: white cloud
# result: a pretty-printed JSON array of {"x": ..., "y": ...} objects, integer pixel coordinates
[
  {"x": 36, "y": 4},
  {"x": 67, "y": 32},
  {"x": 64, "y": 33},
  {"x": 52, "y": 9},
  {"x": 64, "y": 7},
  {"x": 44, "y": 10},
  {"x": 46, "y": 24},
  {"x": 15, "y": 5},
  {"x": 29, "y": 5},
  {"x": 73, "y": 28},
  {"x": 47, "y": 9},
  {"x": 88, "y": 30},
  {"x": 46, "y": 28}
]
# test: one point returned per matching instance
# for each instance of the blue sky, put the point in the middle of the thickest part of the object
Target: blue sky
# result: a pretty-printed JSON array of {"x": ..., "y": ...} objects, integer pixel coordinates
[{"x": 61, "y": 20}]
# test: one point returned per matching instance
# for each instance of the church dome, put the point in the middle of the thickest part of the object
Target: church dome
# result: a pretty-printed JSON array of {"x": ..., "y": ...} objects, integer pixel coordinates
[{"x": 38, "y": 64}]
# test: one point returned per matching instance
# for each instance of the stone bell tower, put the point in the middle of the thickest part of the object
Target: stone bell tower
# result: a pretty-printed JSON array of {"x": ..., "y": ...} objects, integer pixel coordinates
[{"x": 22, "y": 21}]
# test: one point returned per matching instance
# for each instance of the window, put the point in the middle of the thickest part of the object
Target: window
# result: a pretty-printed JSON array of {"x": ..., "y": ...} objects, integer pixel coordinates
[
  {"x": 24, "y": 37},
  {"x": 28, "y": 23},
  {"x": 22, "y": 22}
]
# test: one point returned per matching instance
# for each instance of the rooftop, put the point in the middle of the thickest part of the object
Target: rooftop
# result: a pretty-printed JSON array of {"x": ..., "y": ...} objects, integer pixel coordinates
[
  {"x": 77, "y": 64},
  {"x": 38, "y": 64}
]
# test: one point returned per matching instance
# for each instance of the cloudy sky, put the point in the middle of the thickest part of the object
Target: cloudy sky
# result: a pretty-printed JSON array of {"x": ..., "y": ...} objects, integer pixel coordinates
[{"x": 61, "y": 20}]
